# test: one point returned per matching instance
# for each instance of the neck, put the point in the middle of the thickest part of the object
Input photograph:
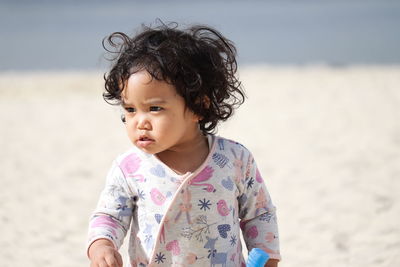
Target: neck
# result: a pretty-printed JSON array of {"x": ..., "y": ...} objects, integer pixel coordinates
[{"x": 186, "y": 157}]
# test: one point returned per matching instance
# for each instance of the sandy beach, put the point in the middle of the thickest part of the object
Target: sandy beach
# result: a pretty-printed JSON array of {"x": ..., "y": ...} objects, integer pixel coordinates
[{"x": 327, "y": 140}]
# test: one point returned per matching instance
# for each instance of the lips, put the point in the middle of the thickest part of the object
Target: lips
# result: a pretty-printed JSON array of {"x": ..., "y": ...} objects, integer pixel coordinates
[
  {"x": 144, "y": 141},
  {"x": 145, "y": 138}
]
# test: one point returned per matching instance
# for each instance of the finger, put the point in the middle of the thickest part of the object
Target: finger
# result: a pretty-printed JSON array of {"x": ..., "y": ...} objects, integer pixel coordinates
[
  {"x": 111, "y": 261},
  {"x": 118, "y": 258},
  {"x": 102, "y": 263}
]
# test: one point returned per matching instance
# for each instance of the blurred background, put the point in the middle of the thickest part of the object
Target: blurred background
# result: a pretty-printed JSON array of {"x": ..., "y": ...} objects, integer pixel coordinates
[
  {"x": 321, "y": 119},
  {"x": 67, "y": 34}
]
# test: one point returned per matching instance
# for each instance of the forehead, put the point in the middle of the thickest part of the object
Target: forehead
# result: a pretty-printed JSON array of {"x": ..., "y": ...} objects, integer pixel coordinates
[{"x": 141, "y": 86}]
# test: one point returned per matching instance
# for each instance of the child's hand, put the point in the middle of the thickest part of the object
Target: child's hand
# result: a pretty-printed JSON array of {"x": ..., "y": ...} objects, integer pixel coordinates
[
  {"x": 271, "y": 263},
  {"x": 103, "y": 254}
]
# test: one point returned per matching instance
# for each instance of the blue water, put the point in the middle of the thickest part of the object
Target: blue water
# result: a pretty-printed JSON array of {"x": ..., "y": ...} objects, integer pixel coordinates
[{"x": 62, "y": 35}]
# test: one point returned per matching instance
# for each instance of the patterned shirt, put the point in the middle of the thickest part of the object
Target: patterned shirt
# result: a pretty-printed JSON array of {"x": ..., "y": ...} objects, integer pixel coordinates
[{"x": 193, "y": 219}]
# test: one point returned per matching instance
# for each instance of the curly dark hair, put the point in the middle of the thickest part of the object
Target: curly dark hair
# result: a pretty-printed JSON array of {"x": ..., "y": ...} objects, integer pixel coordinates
[{"x": 198, "y": 61}]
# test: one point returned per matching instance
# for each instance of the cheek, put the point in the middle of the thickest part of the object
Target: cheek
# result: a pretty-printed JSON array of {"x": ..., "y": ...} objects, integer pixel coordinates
[
  {"x": 129, "y": 130},
  {"x": 163, "y": 125}
]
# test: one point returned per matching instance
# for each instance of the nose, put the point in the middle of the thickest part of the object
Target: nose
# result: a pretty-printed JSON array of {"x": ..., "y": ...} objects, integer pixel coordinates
[{"x": 143, "y": 123}]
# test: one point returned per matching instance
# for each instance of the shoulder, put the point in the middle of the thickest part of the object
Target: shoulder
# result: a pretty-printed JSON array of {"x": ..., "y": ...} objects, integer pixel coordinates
[
  {"x": 130, "y": 161},
  {"x": 231, "y": 146}
]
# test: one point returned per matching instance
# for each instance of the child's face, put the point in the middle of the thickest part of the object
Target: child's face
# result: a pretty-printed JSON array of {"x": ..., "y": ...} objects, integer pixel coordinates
[{"x": 156, "y": 116}]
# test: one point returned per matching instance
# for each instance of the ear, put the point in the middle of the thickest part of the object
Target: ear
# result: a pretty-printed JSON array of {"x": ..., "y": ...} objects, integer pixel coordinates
[
  {"x": 196, "y": 118},
  {"x": 206, "y": 102}
]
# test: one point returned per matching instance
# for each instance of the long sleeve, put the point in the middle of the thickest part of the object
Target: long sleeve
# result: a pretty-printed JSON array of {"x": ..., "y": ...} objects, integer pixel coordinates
[
  {"x": 114, "y": 211},
  {"x": 257, "y": 212}
]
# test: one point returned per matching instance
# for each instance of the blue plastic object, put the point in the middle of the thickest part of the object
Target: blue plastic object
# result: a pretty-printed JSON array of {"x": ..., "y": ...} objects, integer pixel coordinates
[{"x": 257, "y": 258}]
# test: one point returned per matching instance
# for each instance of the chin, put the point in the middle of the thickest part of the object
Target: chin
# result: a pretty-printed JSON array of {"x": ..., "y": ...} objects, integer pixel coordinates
[{"x": 148, "y": 150}]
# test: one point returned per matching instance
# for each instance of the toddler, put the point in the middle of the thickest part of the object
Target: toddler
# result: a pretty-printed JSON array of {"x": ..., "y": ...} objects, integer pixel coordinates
[{"x": 185, "y": 193}]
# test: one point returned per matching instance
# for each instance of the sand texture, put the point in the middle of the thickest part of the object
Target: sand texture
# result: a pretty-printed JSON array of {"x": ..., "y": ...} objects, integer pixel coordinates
[{"x": 327, "y": 141}]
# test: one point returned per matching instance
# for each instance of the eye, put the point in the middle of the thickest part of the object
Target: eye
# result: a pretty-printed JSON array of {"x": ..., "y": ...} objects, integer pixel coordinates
[
  {"x": 130, "y": 110},
  {"x": 155, "y": 108}
]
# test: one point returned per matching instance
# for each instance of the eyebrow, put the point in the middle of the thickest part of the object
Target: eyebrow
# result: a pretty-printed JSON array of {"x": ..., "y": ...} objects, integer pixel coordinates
[
  {"x": 151, "y": 101},
  {"x": 154, "y": 101},
  {"x": 123, "y": 103}
]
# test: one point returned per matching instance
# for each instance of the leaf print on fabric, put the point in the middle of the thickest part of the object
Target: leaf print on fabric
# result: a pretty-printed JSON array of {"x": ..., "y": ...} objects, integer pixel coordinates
[
  {"x": 223, "y": 230},
  {"x": 158, "y": 171},
  {"x": 198, "y": 231},
  {"x": 220, "y": 159},
  {"x": 203, "y": 176},
  {"x": 227, "y": 183},
  {"x": 114, "y": 190}
]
